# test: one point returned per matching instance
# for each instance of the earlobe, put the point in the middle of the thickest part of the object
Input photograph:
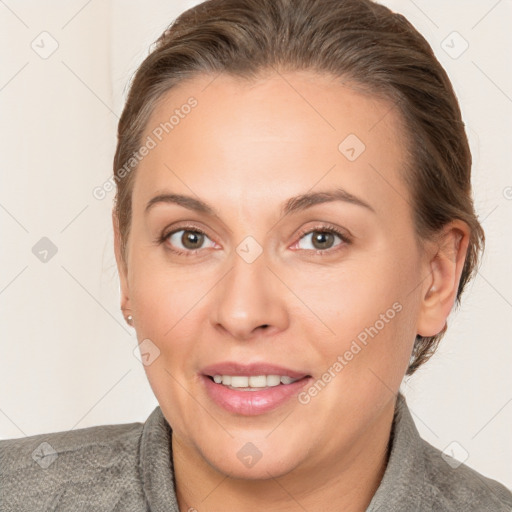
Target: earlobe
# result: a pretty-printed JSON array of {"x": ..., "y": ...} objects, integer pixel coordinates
[{"x": 445, "y": 263}]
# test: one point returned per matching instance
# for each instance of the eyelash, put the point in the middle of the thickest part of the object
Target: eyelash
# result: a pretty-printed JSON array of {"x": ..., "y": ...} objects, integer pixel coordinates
[{"x": 322, "y": 228}]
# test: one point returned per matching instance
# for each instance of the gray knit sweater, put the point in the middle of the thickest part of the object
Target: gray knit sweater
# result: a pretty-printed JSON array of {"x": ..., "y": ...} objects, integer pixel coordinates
[{"x": 128, "y": 467}]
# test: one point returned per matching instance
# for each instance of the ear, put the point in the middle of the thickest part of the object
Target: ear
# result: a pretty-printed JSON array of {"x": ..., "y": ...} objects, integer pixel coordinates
[
  {"x": 445, "y": 262},
  {"x": 121, "y": 266}
]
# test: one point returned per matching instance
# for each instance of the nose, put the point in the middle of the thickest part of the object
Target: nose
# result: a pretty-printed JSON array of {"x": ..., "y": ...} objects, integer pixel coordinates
[{"x": 249, "y": 301}]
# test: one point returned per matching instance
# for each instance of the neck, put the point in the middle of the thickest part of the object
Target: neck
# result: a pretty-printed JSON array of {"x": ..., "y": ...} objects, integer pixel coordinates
[{"x": 345, "y": 480}]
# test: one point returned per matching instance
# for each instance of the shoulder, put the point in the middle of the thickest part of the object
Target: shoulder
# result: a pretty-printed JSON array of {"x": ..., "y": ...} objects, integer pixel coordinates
[
  {"x": 452, "y": 484},
  {"x": 89, "y": 468},
  {"x": 419, "y": 476}
]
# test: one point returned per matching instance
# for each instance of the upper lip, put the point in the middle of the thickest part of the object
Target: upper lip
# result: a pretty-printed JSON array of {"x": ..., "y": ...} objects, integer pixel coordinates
[{"x": 261, "y": 368}]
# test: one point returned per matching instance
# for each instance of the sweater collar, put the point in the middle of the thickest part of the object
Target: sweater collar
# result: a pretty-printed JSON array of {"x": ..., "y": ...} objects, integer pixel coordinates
[
  {"x": 156, "y": 466},
  {"x": 402, "y": 485},
  {"x": 400, "y": 488}
]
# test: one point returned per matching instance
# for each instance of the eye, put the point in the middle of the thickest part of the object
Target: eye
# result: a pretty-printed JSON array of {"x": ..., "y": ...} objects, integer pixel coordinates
[
  {"x": 322, "y": 239},
  {"x": 187, "y": 240}
]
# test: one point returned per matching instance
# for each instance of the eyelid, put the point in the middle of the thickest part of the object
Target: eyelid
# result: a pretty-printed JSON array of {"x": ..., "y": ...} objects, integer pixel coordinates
[
  {"x": 326, "y": 226},
  {"x": 188, "y": 225}
]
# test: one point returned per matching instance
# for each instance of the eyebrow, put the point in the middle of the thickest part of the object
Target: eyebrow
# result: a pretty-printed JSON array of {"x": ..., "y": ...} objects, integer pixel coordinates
[{"x": 293, "y": 204}]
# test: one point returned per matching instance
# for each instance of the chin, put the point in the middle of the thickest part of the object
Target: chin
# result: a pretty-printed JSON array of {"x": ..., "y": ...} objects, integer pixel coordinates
[{"x": 250, "y": 463}]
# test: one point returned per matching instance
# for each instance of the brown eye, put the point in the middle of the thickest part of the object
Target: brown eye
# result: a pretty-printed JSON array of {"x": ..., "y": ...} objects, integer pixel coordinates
[
  {"x": 187, "y": 240},
  {"x": 321, "y": 240},
  {"x": 192, "y": 239}
]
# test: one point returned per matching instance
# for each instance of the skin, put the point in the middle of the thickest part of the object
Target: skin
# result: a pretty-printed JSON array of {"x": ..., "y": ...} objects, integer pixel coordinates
[{"x": 245, "y": 149}]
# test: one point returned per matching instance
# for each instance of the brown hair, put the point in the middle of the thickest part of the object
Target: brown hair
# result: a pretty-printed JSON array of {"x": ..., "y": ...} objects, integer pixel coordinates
[{"x": 358, "y": 40}]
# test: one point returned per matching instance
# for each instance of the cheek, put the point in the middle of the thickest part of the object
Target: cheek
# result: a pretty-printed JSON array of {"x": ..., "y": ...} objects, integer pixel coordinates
[
  {"x": 370, "y": 310},
  {"x": 162, "y": 295},
  {"x": 166, "y": 305}
]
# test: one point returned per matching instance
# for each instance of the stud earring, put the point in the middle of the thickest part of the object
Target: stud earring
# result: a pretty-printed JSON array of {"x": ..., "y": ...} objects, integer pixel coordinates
[{"x": 129, "y": 319}]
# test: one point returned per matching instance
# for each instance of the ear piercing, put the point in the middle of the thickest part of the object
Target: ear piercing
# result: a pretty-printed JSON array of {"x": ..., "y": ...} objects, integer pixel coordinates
[{"x": 129, "y": 320}]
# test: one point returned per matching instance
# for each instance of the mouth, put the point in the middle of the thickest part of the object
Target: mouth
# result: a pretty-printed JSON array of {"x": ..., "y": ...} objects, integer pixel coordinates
[{"x": 252, "y": 389}]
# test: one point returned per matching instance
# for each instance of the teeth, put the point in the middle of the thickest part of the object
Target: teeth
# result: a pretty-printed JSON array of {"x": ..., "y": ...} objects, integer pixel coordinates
[
  {"x": 252, "y": 381},
  {"x": 273, "y": 380},
  {"x": 238, "y": 381}
]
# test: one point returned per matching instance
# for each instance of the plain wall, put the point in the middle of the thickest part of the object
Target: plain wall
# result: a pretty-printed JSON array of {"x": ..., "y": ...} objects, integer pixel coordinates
[{"x": 67, "y": 356}]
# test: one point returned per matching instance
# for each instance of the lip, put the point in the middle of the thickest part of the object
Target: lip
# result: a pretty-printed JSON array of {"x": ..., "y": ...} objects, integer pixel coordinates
[
  {"x": 251, "y": 403},
  {"x": 262, "y": 368}
]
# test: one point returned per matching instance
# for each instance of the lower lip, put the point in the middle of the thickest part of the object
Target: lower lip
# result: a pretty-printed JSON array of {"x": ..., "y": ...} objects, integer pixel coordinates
[{"x": 252, "y": 403}]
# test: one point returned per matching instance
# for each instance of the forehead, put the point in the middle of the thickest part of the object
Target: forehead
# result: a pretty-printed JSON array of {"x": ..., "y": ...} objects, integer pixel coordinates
[{"x": 282, "y": 134}]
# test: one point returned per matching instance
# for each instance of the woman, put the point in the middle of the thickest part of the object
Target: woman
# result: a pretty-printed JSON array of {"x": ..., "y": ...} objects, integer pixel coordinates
[{"x": 293, "y": 225}]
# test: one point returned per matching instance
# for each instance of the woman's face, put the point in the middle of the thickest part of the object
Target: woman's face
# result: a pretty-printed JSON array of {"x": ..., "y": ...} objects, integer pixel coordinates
[{"x": 270, "y": 282}]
